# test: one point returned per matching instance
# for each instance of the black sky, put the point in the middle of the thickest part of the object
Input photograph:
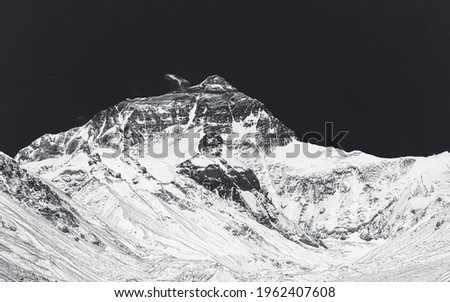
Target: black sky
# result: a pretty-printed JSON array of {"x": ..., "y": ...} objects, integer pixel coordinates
[{"x": 380, "y": 69}]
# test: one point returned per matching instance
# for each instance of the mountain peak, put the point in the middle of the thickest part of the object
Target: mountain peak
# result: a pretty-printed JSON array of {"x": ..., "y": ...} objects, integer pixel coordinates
[
  {"x": 214, "y": 84},
  {"x": 215, "y": 79}
]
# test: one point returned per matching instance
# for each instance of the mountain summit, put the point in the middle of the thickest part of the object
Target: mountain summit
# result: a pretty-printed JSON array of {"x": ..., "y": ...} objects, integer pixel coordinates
[{"x": 213, "y": 84}]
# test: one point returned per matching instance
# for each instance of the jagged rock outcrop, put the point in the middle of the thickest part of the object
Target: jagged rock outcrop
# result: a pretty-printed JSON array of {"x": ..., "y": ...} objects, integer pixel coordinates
[{"x": 33, "y": 193}]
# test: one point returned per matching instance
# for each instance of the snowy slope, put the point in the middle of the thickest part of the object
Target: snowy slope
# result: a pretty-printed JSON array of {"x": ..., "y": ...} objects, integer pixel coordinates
[
  {"x": 228, "y": 203},
  {"x": 134, "y": 236}
]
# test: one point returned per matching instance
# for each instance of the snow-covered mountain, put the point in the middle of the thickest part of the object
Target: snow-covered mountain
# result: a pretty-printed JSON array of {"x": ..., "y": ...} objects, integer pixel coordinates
[{"x": 200, "y": 184}]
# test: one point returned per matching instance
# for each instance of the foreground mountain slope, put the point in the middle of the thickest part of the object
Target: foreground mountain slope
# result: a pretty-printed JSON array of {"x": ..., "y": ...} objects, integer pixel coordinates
[
  {"x": 44, "y": 238},
  {"x": 206, "y": 175},
  {"x": 132, "y": 238}
]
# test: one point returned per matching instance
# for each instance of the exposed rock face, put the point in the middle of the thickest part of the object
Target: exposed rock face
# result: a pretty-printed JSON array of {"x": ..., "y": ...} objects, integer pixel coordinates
[
  {"x": 214, "y": 106},
  {"x": 32, "y": 192},
  {"x": 339, "y": 201},
  {"x": 236, "y": 183}
]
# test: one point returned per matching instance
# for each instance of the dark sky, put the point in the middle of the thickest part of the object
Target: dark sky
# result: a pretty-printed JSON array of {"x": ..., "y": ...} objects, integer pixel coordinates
[{"x": 379, "y": 69}]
